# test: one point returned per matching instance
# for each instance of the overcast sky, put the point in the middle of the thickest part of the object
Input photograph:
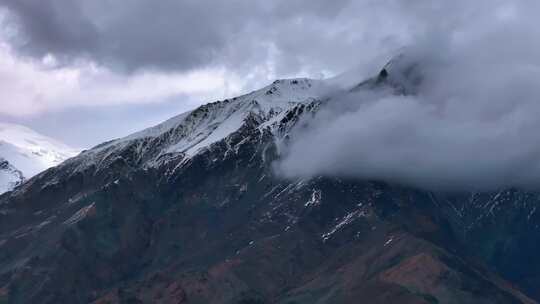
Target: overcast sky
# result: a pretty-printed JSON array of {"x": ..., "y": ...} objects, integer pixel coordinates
[{"x": 88, "y": 71}]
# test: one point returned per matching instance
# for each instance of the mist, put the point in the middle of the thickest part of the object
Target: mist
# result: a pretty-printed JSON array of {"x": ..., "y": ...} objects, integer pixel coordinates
[{"x": 472, "y": 122}]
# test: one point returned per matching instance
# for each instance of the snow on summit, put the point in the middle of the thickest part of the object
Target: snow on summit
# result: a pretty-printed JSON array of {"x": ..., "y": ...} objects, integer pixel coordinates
[
  {"x": 30, "y": 152},
  {"x": 193, "y": 131}
]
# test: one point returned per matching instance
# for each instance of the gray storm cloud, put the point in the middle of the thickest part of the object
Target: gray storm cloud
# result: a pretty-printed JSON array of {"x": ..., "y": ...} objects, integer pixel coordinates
[
  {"x": 173, "y": 35},
  {"x": 79, "y": 56},
  {"x": 472, "y": 123}
]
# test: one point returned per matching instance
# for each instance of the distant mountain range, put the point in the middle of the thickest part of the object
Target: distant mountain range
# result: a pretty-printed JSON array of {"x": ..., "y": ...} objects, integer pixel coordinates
[
  {"x": 25, "y": 153},
  {"x": 192, "y": 211}
]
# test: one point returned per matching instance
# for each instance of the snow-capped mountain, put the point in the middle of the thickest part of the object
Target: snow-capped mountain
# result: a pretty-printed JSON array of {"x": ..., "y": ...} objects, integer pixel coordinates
[
  {"x": 190, "y": 133},
  {"x": 215, "y": 121},
  {"x": 28, "y": 152},
  {"x": 191, "y": 211}
]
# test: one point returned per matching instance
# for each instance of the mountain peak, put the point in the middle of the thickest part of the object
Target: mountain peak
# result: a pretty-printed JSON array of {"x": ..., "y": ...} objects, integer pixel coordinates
[
  {"x": 187, "y": 134},
  {"x": 28, "y": 152},
  {"x": 403, "y": 74},
  {"x": 295, "y": 83}
]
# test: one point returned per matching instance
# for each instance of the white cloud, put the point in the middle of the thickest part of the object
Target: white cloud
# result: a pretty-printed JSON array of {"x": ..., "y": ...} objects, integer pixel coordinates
[
  {"x": 472, "y": 124},
  {"x": 30, "y": 87}
]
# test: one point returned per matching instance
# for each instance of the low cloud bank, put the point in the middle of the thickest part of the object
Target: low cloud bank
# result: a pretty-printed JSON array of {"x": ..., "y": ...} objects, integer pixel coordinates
[{"x": 472, "y": 124}]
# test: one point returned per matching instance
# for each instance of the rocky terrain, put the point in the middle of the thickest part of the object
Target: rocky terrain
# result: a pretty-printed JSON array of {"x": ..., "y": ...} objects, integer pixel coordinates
[{"x": 192, "y": 211}]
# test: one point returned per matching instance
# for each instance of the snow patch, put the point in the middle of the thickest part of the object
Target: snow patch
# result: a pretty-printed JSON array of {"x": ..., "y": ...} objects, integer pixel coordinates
[
  {"x": 10, "y": 177},
  {"x": 388, "y": 241},
  {"x": 80, "y": 215},
  {"x": 29, "y": 151},
  {"x": 315, "y": 198},
  {"x": 347, "y": 219}
]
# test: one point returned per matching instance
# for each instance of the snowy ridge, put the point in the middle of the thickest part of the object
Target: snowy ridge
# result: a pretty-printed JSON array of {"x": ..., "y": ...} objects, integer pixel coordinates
[
  {"x": 30, "y": 152},
  {"x": 275, "y": 98},
  {"x": 192, "y": 132}
]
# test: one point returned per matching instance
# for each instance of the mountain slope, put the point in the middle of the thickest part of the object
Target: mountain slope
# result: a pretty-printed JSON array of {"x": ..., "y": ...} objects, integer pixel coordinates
[
  {"x": 29, "y": 152},
  {"x": 191, "y": 211}
]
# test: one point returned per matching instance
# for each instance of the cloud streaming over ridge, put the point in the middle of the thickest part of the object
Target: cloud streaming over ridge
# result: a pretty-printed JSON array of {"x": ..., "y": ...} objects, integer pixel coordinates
[{"x": 472, "y": 124}]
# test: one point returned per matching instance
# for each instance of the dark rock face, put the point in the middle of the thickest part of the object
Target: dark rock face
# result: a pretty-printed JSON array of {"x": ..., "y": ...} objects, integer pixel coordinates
[
  {"x": 220, "y": 227},
  {"x": 228, "y": 231}
]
